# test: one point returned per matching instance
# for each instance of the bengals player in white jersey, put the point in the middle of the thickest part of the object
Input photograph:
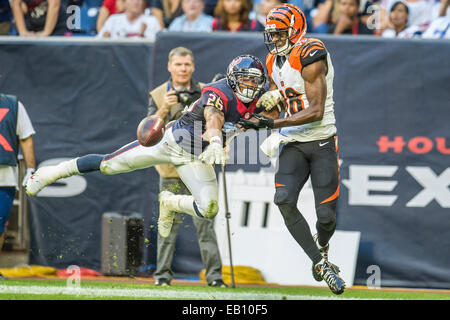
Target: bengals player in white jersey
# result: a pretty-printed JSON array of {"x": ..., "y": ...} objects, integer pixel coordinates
[{"x": 301, "y": 76}]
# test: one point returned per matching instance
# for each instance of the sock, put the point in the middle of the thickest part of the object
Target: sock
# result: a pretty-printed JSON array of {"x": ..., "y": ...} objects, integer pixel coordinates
[
  {"x": 89, "y": 163},
  {"x": 184, "y": 204},
  {"x": 299, "y": 229},
  {"x": 324, "y": 233},
  {"x": 302, "y": 234}
]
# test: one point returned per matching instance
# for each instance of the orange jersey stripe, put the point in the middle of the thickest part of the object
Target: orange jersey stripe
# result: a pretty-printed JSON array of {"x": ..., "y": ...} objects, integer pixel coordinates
[
  {"x": 294, "y": 59},
  {"x": 269, "y": 63}
]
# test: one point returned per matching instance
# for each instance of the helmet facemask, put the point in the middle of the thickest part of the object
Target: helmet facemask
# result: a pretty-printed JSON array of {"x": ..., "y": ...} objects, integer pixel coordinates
[
  {"x": 281, "y": 35},
  {"x": 248, "y": 84}
]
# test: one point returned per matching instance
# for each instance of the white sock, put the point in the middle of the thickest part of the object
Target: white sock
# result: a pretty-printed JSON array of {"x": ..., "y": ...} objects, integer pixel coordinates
[
  {"x": 68, "y": 168},
  {"x": 186, "y": 204}
]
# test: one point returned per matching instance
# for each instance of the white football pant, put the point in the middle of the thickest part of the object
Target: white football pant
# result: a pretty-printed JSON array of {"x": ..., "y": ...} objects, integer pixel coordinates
[{"x": 199, "y": 177}]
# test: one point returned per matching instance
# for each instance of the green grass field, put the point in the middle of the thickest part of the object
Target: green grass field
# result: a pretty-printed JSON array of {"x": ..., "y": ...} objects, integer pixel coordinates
[{"x": 44, "y": 289}]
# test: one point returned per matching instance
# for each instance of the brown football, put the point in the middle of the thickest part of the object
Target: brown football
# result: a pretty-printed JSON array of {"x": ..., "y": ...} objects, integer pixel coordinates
[{"x": 150, "y": 131}]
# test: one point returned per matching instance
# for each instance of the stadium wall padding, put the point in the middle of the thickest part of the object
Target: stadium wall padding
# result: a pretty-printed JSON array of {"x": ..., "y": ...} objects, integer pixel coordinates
[{"x": 392, "y": 108}]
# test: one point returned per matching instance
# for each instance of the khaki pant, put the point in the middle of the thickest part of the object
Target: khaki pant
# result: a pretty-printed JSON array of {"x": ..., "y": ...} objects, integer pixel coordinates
[
  {"x": 5, "y": 27},
  {"x": 207, "y": 240}
]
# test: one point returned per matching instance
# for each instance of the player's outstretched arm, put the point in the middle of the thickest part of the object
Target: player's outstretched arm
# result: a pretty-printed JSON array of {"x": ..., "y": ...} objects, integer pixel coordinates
[
  {"x": 316, "y": 92},
  {"x": 214, "y": 153}
]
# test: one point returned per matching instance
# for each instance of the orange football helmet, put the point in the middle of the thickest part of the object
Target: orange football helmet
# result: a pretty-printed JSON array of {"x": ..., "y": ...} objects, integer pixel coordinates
[{"x": 284, "y": 20}]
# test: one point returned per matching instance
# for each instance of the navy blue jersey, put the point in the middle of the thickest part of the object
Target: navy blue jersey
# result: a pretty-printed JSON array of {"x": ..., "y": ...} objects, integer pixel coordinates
[{"x": 188, "y": 129}]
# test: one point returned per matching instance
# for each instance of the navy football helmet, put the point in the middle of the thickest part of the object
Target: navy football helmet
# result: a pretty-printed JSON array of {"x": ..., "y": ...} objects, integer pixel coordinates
[{"x": 246, "y": 76}]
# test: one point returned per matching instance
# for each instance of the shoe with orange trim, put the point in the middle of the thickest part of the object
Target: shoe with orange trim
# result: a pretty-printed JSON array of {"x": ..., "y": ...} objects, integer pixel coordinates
[{"x": 330, "y": 273}]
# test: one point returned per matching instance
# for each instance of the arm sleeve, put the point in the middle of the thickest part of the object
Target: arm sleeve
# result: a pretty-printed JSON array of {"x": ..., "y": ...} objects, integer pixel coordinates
[{"x": 24, "y": 126}]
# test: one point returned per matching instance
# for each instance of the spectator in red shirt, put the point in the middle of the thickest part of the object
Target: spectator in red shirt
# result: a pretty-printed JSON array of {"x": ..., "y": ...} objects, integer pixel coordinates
[
  {"x": 108, "y": 8},
  {"x": 232, "y": 15}
]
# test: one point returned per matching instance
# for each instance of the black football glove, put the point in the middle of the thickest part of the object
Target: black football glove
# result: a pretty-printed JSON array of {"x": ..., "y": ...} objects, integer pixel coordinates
[
  {"x": 263, "y": 123},
  {"x": 247, "y": 124}
]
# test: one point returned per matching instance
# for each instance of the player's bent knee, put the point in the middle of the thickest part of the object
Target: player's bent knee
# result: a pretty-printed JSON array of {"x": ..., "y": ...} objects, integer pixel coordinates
[
  {"x": 326, "y": 217},
  {"x": 282, "y": 197}
]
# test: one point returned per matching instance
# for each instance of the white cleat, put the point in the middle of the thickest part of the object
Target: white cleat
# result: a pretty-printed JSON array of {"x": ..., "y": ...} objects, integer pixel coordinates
[
  {"x": 165, "y": 220},
  {"x": 50, "y": 174},
  {"x": 40, "y": 179}
]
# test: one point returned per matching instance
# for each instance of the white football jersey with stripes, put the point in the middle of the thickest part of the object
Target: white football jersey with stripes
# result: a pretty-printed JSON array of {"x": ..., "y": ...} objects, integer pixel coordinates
[{"x": 289, "y": 81}]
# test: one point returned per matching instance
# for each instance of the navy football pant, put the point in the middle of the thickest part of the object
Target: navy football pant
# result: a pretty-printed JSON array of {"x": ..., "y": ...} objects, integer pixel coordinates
[
  {"x": 6, "y": 202},
  {"x": 297, "y": 162}
]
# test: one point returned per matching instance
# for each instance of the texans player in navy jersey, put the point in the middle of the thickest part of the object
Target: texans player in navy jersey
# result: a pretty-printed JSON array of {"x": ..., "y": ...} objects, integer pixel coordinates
[
  {"x": 227, "y": 100},
  {"x": 193, "y": 143}
]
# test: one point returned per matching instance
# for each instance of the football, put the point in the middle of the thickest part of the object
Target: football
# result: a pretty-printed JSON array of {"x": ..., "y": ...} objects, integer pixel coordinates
[{"x": 150, "y": 131}]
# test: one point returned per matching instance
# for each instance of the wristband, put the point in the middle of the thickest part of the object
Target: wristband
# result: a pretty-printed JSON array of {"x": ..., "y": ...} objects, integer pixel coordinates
[{"x": 215, "y": 139}]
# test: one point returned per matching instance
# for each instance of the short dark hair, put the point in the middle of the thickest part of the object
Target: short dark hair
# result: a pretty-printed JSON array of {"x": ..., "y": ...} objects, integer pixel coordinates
[{"x": 397, "y": 3}]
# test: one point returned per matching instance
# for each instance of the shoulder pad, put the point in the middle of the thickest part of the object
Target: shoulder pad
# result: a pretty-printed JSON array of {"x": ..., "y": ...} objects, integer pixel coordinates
[{"x": 312, "y": 50}]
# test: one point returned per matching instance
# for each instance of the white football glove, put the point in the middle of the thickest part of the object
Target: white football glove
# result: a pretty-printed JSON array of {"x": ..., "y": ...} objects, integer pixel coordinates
[
  {"x": 271, "y": 99},
  {"x": 214, "y": 153},
  {"x": 29, "y": 173}
]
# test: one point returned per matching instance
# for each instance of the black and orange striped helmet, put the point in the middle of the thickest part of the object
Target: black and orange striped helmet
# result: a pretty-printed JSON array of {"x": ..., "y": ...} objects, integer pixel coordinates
[{"x": 284, "y": 18}]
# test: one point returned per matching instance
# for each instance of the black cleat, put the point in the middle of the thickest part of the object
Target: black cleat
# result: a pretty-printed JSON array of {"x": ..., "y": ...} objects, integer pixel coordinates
[
  {"x": 218, "y": 283},
  {"x": 330, "y": 273}
]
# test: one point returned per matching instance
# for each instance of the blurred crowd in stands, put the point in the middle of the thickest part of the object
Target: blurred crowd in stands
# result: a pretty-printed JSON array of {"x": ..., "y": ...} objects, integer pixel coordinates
[{"x": 144, "y": 18}]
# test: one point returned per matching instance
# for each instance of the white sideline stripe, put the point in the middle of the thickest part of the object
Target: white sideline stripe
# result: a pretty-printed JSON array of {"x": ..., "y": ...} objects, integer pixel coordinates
[{"x": 159, "y": 293}]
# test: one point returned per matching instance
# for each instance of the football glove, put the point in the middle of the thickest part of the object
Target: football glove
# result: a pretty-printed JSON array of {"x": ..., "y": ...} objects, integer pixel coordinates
[
  {"x": 214, "y": 152},
  {"x": 271, "y": 99},
  {"x": 262, "y": 123}
]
